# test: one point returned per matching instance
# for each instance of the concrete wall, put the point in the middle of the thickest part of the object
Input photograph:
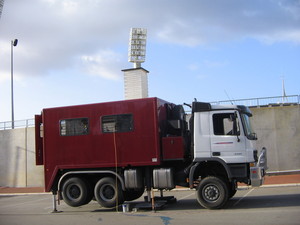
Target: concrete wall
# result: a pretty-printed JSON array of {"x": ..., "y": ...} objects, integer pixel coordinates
[
  {"x": 278, "y": 129},
  {"x": 17, "y": 159}
]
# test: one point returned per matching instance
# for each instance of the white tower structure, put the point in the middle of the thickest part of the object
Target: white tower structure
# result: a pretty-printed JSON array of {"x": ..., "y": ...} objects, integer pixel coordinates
[
  {"x": 136, "y": 79},
  {"x": 136, "y": 83}
]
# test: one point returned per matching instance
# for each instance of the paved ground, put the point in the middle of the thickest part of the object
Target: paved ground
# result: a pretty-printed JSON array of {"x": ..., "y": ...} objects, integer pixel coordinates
[
  {"x": 268, "y": 205},
  {"x": 269, "y": 180}
]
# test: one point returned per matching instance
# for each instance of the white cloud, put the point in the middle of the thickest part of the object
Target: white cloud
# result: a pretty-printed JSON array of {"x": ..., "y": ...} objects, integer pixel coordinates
[
  {"x": 53, "y": 34},
  {"x": 206, "y": 22},
  {"x": 106, "y": 64},
  {"x": 3, "y": 78},
  {"x": 292, "y": 35}
]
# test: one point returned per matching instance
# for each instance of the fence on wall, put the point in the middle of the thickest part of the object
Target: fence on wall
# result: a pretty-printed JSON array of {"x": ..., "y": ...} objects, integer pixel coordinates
[
  {"x": 250, "y": 102},
  {"x": 17, "y": 124},
  {"x": 266, "y": 101}
]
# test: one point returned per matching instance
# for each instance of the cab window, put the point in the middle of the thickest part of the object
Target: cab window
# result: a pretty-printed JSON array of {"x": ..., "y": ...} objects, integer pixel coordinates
[{"x": 223, "y": 124}]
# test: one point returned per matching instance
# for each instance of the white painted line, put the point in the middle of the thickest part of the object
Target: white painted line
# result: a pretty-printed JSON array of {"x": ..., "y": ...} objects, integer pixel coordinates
[
  {"x": 243, "y": 197},
  {"x": 281, "y": 185},
  {"x": 186, "y": 196},
  {"x": 23, "y": 203},
  {"x": 268, "y": 186},
  {"x": 24, "y": 194}
]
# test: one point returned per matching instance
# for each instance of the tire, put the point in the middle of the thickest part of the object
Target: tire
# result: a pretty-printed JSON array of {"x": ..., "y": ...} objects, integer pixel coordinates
[
  {"x": 107, "y": 194},
  {"x": 212, "y": 193},
  {"x": 232, "y": 192},
  {"x": 76, "y": 192},
  {"x": 133, "y": 194},
  {"x": 232, "y": 189}
]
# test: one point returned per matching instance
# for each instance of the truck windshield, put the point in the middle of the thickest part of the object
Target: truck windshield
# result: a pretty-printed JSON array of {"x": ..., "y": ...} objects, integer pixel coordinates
[{"x": 247, "y": 127}]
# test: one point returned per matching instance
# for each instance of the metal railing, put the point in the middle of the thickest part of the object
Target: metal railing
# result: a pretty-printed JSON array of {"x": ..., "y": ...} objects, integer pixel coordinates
[
  {"x": 250, "y": 102},
  {"x": 266, "y": 101},
  {"x": 17, "y": 124}
]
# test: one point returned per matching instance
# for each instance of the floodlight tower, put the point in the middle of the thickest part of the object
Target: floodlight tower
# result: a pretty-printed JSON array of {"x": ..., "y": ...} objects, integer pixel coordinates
[
  {"x": 135, "y": 79},
  {"x": 137, "y": 46}
]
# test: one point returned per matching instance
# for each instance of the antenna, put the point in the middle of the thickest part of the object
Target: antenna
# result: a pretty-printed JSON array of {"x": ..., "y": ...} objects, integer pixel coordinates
[
  {"x": 228, "y": 97},
  {"x": 137, "y": 46},
  {"x": 284, "y": 97}
]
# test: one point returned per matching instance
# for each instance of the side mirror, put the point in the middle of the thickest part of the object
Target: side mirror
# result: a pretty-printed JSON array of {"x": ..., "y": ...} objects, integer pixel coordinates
[{"x": 233, "y": 117}]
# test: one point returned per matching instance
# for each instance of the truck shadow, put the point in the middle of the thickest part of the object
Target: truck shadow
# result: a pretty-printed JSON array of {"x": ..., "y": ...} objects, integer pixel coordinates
[
  {"x": 249, "y": 202},
  {"x": 265, "y": 201}
]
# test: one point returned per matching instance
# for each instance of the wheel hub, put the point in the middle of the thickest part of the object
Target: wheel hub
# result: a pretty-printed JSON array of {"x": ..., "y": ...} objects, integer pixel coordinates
[
  {"x": 211, "y": 193},
  {"x": 74, "y": 192},
  {"x": 107, "y": 192}
]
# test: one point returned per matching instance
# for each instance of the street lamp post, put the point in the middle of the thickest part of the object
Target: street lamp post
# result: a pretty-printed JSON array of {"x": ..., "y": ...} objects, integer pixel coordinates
[{"x": 13, "y": 44}]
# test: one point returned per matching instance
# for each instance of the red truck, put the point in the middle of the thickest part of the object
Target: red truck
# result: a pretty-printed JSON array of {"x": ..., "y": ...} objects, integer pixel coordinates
[{"x": 113, "y": 151}]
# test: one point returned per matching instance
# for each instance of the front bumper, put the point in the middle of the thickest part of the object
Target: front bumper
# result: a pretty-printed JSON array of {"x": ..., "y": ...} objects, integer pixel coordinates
[
  {"x": 258, "y": 172},
  {"x": 257, "y": 176}
]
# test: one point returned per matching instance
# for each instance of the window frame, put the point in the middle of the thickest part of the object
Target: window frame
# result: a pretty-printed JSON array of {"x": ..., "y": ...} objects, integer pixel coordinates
[
  {"x": 117, "y": 119},
  {"x": 74, "y": 133},
  {"x": 224, "y": 125}
]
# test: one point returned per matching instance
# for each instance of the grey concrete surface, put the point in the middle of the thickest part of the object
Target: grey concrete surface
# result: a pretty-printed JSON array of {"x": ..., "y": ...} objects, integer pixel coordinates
[
  {"x": 278, "y": 129},
  {"x": 17, "y": 159},
  {"x": 277, "y": 205}
]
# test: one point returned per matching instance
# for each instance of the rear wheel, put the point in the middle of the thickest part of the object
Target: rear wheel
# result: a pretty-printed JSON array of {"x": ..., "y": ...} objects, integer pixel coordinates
[
  {"x": 212, "y": 193},
  {"x": 76, "y": 192},
  {"x": 107, "y": 193}
]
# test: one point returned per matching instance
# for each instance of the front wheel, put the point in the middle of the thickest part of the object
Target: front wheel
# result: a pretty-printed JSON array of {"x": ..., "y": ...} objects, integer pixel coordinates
[
  {"x": 212, "y": 193},
  {"x": 232, "y": 189}
]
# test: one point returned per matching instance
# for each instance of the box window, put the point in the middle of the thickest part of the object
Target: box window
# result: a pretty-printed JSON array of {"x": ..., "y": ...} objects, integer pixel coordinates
[
  {"x": 74, "y": 127},
  {"x": 117, "y": 123}
]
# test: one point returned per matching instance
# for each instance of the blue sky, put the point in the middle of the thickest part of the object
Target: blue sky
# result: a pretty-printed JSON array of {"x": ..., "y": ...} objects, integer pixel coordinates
[{"x": 72, "y": 51}]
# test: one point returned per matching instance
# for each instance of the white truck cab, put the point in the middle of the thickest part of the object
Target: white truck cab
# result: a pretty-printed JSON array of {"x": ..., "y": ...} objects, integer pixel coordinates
[
  {"x": 222, "y": 138},
  {"x": 225, "y": 132}
]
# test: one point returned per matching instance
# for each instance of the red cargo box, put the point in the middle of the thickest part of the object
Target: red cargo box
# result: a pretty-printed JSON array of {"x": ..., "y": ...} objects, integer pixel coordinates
[{"x": 92, "y": 136}]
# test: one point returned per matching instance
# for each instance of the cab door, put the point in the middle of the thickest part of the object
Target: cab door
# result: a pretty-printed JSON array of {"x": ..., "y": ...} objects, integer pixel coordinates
[{"x": 227, "y": 139}]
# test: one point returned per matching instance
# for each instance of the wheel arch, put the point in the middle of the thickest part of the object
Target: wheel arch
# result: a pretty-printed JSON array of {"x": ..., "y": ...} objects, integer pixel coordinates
[
  {"x": 209, "y": 167},
  {"x": 102, "y": 172}
]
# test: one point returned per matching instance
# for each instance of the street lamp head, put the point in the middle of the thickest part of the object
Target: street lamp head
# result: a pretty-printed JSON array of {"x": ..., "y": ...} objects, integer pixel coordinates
[{"x": 14, "y": 42}]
